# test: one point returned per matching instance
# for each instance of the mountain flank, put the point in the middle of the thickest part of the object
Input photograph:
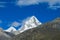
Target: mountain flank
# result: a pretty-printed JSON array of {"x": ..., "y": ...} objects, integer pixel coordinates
[{"x": 47, "y": 31}]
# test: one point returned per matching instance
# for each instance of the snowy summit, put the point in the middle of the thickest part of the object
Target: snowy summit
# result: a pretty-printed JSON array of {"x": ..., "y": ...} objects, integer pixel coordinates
[{"x": 29, "y": 23}]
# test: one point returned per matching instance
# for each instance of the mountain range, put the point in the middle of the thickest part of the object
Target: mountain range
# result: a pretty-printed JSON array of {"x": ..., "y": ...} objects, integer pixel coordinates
[
  {"x": 46, "y": 31},
  {"x": 32, "y": 29},
  {"x": 28, "y": 23}
]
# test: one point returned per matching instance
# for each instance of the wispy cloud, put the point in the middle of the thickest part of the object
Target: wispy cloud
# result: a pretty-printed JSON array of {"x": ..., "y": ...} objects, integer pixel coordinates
[
  {"x": 27, "y": 2},
  {"x": 2, "y": 4},
  {"x": 15, "y": 24},
  {"x": 33, "y": 2}
]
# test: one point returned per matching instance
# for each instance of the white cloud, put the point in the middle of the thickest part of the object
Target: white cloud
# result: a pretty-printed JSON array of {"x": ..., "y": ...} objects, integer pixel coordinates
[
  {"x": 33, "y": 2},
  {"x": 27, "y": 2}
]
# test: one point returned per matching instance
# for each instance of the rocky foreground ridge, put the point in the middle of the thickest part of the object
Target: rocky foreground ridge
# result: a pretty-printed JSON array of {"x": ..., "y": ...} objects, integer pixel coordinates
[{"x": 47, "y": 31}]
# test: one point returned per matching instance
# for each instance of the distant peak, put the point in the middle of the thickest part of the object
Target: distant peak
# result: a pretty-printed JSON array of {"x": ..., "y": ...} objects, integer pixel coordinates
[
  {"x": 58, "y": 18},
  {"x": 1, "y": 29},
  {"x": 33, "y": 16}
]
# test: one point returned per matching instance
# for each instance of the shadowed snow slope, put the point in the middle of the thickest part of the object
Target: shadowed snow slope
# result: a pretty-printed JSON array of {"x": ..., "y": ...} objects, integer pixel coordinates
[{"x": 11, "y": 29}]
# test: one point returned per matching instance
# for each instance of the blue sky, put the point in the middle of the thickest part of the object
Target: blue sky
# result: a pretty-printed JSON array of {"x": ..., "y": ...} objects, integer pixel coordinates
[{"x": 13, "y": 11}]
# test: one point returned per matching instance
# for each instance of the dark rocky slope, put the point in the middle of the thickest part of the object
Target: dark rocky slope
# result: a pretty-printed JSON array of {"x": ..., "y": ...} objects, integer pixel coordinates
[
  {"x": 47, "y": 31},
  {"x": 5, "y": 35}
]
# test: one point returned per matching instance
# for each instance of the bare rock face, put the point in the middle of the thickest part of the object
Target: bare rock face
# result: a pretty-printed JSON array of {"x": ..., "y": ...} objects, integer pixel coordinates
[
  {"x": 47, "y": 31},
  {"x": 5, "y": 35}
]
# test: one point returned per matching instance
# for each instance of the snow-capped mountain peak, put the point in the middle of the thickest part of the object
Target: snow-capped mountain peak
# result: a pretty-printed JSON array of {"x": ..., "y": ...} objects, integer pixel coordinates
[
  {"x": 11, "y": 29},
  {"x": 12, "y": 26},
  {"x": 29, "y": 23}
]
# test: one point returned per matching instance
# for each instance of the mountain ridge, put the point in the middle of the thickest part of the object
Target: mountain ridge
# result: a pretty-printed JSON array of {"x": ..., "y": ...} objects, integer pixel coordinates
[
  {"x": 28, "y": 23},
  {"x": 3, "y": 35},
  {"x": 47, "y": 31}
]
